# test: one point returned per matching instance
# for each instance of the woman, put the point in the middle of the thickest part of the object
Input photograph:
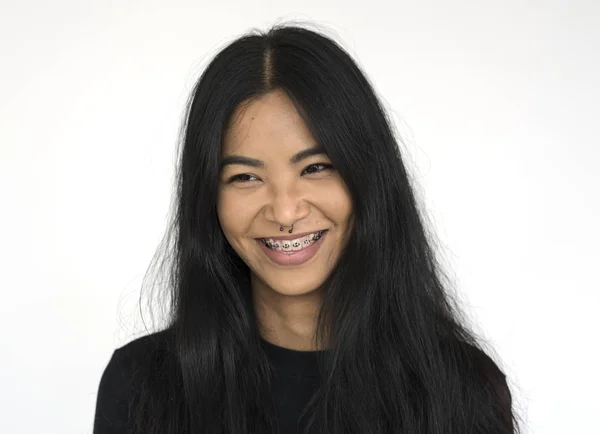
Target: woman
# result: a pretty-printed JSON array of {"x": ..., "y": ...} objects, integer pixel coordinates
[{"x": 305, "y": 294}]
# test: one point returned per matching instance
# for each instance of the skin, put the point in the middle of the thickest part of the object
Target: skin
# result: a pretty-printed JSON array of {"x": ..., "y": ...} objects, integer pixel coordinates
[{"x": 305, "y": 193}]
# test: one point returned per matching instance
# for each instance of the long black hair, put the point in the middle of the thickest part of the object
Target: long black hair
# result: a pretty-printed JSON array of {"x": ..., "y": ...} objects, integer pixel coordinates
[{"x": 401, "y": 356}]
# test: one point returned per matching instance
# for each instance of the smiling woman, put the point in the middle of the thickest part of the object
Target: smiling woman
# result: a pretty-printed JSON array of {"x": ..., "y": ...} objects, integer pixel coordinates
[
  {"x": 305, "y": 296},
  {"x": 292, "y": 183}
]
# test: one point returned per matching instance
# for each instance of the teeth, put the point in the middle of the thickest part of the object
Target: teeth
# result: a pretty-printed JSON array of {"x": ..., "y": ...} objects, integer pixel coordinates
[{"x": 292, "y": 245}]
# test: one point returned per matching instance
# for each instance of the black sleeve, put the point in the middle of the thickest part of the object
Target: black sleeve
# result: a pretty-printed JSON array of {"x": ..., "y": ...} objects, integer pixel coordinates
[
  {"x": 114, "y": 396},
  {"x": 502, "y": 400},
  {"x": 504, "y": 408},
  {"x": 503, "y": 393}
]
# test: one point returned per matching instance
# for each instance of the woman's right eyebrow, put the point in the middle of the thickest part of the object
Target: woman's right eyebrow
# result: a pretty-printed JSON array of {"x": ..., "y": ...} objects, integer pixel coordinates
[
  {"x": 253, "y": 162},
  {"x": 240, "y": 159}
]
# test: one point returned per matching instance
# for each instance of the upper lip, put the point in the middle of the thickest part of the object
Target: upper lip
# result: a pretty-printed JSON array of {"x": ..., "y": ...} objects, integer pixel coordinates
[{"x": 293, "y": 236}]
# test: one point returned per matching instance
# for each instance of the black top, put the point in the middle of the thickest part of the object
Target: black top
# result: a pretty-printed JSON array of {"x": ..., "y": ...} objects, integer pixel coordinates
[{"x": 295, "y": 379}]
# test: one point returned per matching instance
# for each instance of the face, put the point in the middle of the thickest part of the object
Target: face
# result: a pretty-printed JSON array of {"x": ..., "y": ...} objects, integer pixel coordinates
[{"x": 273, "y": 174}]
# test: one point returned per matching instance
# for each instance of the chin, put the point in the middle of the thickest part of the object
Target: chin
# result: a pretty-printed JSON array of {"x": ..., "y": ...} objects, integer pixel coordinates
[
  {"x": 287, "y": 286},
  {"x": 287, "y": 289}
]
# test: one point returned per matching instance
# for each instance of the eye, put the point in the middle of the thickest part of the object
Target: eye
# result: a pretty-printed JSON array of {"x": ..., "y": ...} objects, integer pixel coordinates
[
  {"x": 317, "y": 167},
  {"x": 242, "y": 177},
  {"x": 245, "y": 178}
]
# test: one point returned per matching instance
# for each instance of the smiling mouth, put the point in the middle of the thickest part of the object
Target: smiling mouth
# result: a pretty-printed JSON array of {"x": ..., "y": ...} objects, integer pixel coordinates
[{"x": 292, "y": 245}]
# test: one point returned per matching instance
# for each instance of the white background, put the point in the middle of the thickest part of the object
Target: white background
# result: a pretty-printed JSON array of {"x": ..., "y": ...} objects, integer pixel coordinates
[{"x": 497, "y": 102}]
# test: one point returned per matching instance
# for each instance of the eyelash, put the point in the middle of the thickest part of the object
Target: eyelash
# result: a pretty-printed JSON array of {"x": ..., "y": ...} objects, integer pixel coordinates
[{"x": 235, "y": 178}]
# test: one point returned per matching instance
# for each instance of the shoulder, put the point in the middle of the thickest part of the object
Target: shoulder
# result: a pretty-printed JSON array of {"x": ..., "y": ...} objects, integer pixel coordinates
[
  {"x": 491, "y": 383},
  {"x": 124, "y": 375},
  {"x": 474, "y": 363},
  {"x": 483, "y": 362},
  {"x": 142, "y": 350},
  {"x": 141, "y": 355},
  {"x": 492, "y": 373}
]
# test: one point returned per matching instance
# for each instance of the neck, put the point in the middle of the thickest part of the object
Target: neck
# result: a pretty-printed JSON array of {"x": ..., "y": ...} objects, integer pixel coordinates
[{"x": 284, "y": 320}]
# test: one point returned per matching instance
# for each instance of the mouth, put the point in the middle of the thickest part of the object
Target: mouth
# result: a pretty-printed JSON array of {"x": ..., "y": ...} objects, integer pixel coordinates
[
  {"x": 290, "y": 244},
  {"x": 292, "y": 252}
]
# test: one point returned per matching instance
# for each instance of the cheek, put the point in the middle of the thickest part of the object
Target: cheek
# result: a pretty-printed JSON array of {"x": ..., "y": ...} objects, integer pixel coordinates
[
  {"x": 234, "y": 213},
  {"x": 339, "y": 205},
  {"x": 226, "y": 212}
]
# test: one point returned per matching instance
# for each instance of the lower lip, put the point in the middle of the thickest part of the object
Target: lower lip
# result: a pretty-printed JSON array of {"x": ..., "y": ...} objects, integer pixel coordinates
[{"x": 296, "y": 258}]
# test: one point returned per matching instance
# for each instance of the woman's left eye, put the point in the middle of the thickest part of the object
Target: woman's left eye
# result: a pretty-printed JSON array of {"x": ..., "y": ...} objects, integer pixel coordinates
[{"x": 317, "y": 167}]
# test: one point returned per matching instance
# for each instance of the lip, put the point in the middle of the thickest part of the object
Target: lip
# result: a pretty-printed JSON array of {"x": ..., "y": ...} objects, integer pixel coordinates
[{"x": 297, "y": 258}]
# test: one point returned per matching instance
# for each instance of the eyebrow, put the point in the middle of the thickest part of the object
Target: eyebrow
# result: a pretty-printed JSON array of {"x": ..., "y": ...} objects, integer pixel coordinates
[{"x": 247, "y": 161}]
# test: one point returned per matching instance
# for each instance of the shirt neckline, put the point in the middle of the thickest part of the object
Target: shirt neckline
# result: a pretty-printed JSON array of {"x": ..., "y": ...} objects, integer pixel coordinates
[{"x": 292, "y": 362}]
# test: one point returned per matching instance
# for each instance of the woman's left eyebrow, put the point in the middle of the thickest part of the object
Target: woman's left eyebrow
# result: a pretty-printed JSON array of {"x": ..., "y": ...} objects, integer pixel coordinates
[
  {"x": 253, "y": 162},
  {"x": 308, "y": 152}
]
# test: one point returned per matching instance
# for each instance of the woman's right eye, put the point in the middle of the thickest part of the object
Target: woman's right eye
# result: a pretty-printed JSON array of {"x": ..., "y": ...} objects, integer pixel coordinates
[{"x": 243, "y": 177}]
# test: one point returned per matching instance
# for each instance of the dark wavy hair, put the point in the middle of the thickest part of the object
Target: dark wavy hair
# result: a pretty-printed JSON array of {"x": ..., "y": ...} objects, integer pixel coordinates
[{"x": 402, "y": 358}]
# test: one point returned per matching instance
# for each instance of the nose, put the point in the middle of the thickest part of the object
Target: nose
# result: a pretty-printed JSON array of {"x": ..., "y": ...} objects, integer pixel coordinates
[{"x": 286, "y": 205}]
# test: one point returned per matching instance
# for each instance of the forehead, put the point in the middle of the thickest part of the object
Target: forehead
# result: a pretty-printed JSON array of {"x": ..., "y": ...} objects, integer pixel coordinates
[{"x": 268, "y": 123}]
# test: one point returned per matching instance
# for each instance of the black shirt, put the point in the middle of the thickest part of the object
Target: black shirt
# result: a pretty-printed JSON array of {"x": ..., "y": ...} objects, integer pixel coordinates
[{"x": 295, "y": 379}]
